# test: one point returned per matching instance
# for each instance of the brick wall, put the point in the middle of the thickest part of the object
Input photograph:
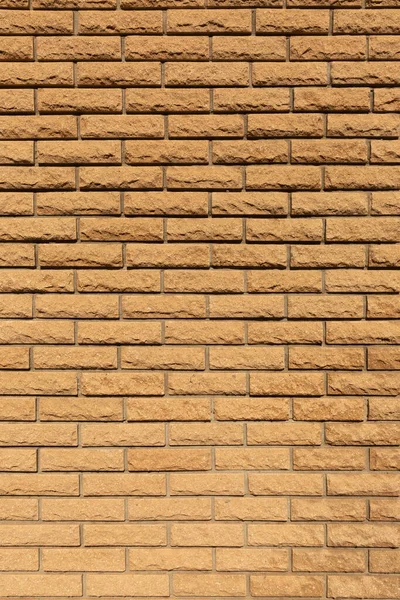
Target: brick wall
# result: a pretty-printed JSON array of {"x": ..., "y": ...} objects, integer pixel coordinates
[{"x": 199, "y": 294}]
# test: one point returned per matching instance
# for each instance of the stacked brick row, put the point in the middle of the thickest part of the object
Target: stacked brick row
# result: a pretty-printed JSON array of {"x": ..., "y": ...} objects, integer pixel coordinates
[{"x": 199, "y": 299}]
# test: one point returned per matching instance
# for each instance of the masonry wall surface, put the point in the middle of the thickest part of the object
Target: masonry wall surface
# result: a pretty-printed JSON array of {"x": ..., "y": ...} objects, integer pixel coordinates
[{"x": 199, "y": 299}]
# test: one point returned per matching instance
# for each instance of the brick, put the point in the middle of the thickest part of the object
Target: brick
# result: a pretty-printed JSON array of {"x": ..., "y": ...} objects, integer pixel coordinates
[
  {"x": 285, "y": 281},
  {"x": 210, "y": 282},
  {"x": 362, "y": 281},
  {"x": 122, "y": 484},
  {"x": 326, "y": 358},
  {"x": 186, "y": 584},
  {"x": 35, "y": 75},
  {"x": 130, "y": 434},
  {"x": 89, "y": 559},
  {"x": 285, "y": 534},
  {"x": 270, "y": 74},
  {"x": 20, "y": 382},
  {"x": 39, "y": 534},
  {"x": 16, "y": 203},
  {"x": 284, "y": 230},
  {"x": 80, "y": 409},
  {"x": 249, "y": 48},
  {"x": 19, "y": 22},
  {"x": 78, "y": 203},
  {"x": 301, "y": 22},
  {"x": 363, "y": 126},
  {"x": 13, "y": 408},
  {"x": 214, "y": 178},
  {"x": 126, "y": 534},
  {"x": 208, "y": 484},
  {"x": 166, "y": 100},
  {"x": 17, "y": 460},
  {"x": 383, "y": 358},
  {"x": 77, "y": 100},
  {"x": 15, "y": 255},
  {"x": 329, "y": 100},
  {"x": 38, "y": 127},
  {"x": 285, "y": 333},
  {"x": 386, "y": 100},
  {"x": 329, "y": 151},
  {"x": 384, "y": 561},
  {"x": 206, "y": 534},
  {"x": 81, "y": 460},
  {"x": 171, "y": 559},
  {"x": 81, "y": 509},
  {"x": 332, "y": 459},
  {"x": 265, "y": 585},
  {"x": 384, "y": 256},
  {"x": 382, "y": 509},
  {"x": 166, "y": 48},
  {"x": 363, "y": 484},
  {"x": 38, "y": 434},
  {"x": 29, "y": 178},
  {"x": 168, "y": 409},
  {"x": 14, "y": 358},
  {"x": 249, "y": 203},
  {"x": 166, "y": 203},
  {"x": 169, "y": 509},
  {"x": 332, "y": 203},
  {"x": 371, "y": 21},
  {"x": 251, "y": 100},
  {"x": 39, "y": 583},
  {"x": 246, "y": 358},
  {"x": 329, "y": 409},
  {"x": 119, "y": 333},
  {"x": 362, "y": 434},
  {"x": 16, "y": 153},
  {"x": 196, "y": 332},
  {"x": 328, "y": 509},
  {"x": 302, "y": 434},
  {"x": 254, "y": 151},
  {"x": 205, "y": 126},
  {"x": 378, "y": 586},
  {"x": 251, "y": 559},
  {"x": 169, "y": 460},
  {"x": 118, "y": 75},
  {"x": 251, "y": 458},
  {"x": 206, "y": 434},
  {"x": 264, "y": 126},
  {"x": 173, "y": 306},
  {"x": 16, "y": 103},
  {"x": 383, "y": 408},
  {"x": 116, "y": 126},
  {"x": 76, "y": 307},
  {"x": 29, "y": 281},
  {"x": 209, "y": 21},
  {"x": 250, "y": 307},
  {"x": 88, "y": 255},
  {"x": 145, "y": 585},
  {"x": 204, "y": 230},
  {"x": 327, "y": 48},
  {"x": 181, "y": 358},
  {"x": 78, "y": 48},
  {"x": 144, "y": 22},
  {"x": 328, "y": 256},
  {"x": 120, "y": 384},
  {"x": 166, "y": 152},
  {"x": 384, "y": 459},
  {"x": 21, "y": 509},
  {"x": 336, "y": 561},
  {"x": 102, "y": 281},
  {"x": 248, "y": 256},
  {"x": 372, "y": 534},
  {"x": 206, "y": 74},
  {"x": 254, "y": 409},
  {"x": 284, "y": 384},
  {"x": 248, "y": 509},
  {"x": 119, "y": 178},
  {"x": 77, "y": 152},
  {"x": 207, "y": 383},
  {"x": 26, "y": 558}
]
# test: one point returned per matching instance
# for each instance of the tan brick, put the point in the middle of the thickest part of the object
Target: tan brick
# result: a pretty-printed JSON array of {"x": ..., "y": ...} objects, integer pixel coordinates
[
  {"x": 80, "y": 255},
  {"x": 125, "y": 534},
  {"x": 371, "y": 534},
  {"x": 78, "y": 203},
  {"x": 270, "y": 409},
  {"x": 207, "y": 484},
  {"x": 87, "y": 152},
  {"x": 14, "y": 358},
  {"x": 284, "y": 332},
  {"x": 93, "y": 22},
  {"x": 251, "y": 100},
  {"x": 17, "y": 255},
  {"x": 336, "y": 561},
  {"x": 251, "y": 458},
  {"x": 166, "y": 100},
  {"x": 371, "y": 21},
  {"x": 386, "y": 100},
  {"x": 326, "y": 358},
  {"x": 30, "y": 281},
  {"x": 377, "y": 384},
  {"x": 284, "y": 384},
  {"x": 265, "y": 585},
  {"x": 249, "y": 203},
  {"x": 13, "y": 459},
  {"x": 166, "y": 203},
  {"x": 352, "y": 280},
  {"x": 285, "y": 281},
  {"x": 17, "y": 103},
  {"x": 206, "y": 534},
  {"x": 200, "y": 332},
  {"x": 168, "y": 409},
  {"x": 116, "y": 126},
  {"x": 31, "y": 23},
  {"x": 332, "y": 459},
  {"x": 362, "y": 126},
  {"x": 249, "y": 509},
  {"x": 30, "y": 383},
  {"x": 362, "y": 434},
  {"x": 281, "y": 484},
  {"x": 166, "y": 152},
  {"x": 302, "y": 434},
  {"x": 184, "y": 255},
  {"x": 169, "y": 509},
  {"x": 121, "y": 384},
  {"x": 328, "y": 48},
  {"x": 88, "y": 559},
  {"x": 13, "y": 408},
  {"x": 250, "y": 307},
  {"x": 78, "y": 459},
  {"x": 248, "y": 48},
  {"x": 118, "y": 75},
  {"x": 145, "y": 585},
  {"x": 384, "y": 561},
  {"x": 384, "y": 459},
  {"x": 271, "y": 74},
  {"x": 82, "y": 509},
  {"x": 182, "y": 459},
  {"x": 107, "y": 281},
  {"x": 39, "y": 534},
  {"x": 206, "y": 74},
  {"x": 205, "y": 126},
  {"x": 16, "y": 203},
  {"x": 383, "y": 509},
  {"x": 332, "y": 203},
  {"x": 27, "y": 559},
  {"x": 38, "y": 127},
  {"x": 328, "y": 256},
  {"x": 383, "y": 358},
  {"x": 285, "y": 534},
  {"x": 78, "y": 48},
  {"x": 122, "y": 434},
  {"x": 76, "y": 307},
  {"x": 329, "y": 409},
  {"x": 18, "y": 509},
  {"x": 163, "y": 358},
  {"x": 76, "y": 100},
  {"x": 330, "y": 99},
  {"x": 38, "y": 584},
  {"x": 80, "y": 409},
  {"x": 171, "y": 559},
  {"x": 118, "y": 332},
  {"x": 360, "y": 586},
  {"x": 186, "y": 584},
  {"x": 206, "y": 434},
  {"x": 384, "y": 408},
  {"x": 301, "y": 22},
  {"x": 329, "y": 151},
  {"x": 209, "y": 21},
  {"x": 123, "y": 484},
  {"x": 363, "y": 484},
  {"x": 328, "y": 509}
]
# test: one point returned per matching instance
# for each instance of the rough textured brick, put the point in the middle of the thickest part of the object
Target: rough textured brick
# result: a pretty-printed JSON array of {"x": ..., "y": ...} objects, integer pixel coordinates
[{"x": 199, "y": 299}]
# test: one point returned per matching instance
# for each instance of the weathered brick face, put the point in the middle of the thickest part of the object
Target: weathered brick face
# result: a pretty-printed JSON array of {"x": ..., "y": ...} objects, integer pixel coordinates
[{"x": 199, "y": 299}]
